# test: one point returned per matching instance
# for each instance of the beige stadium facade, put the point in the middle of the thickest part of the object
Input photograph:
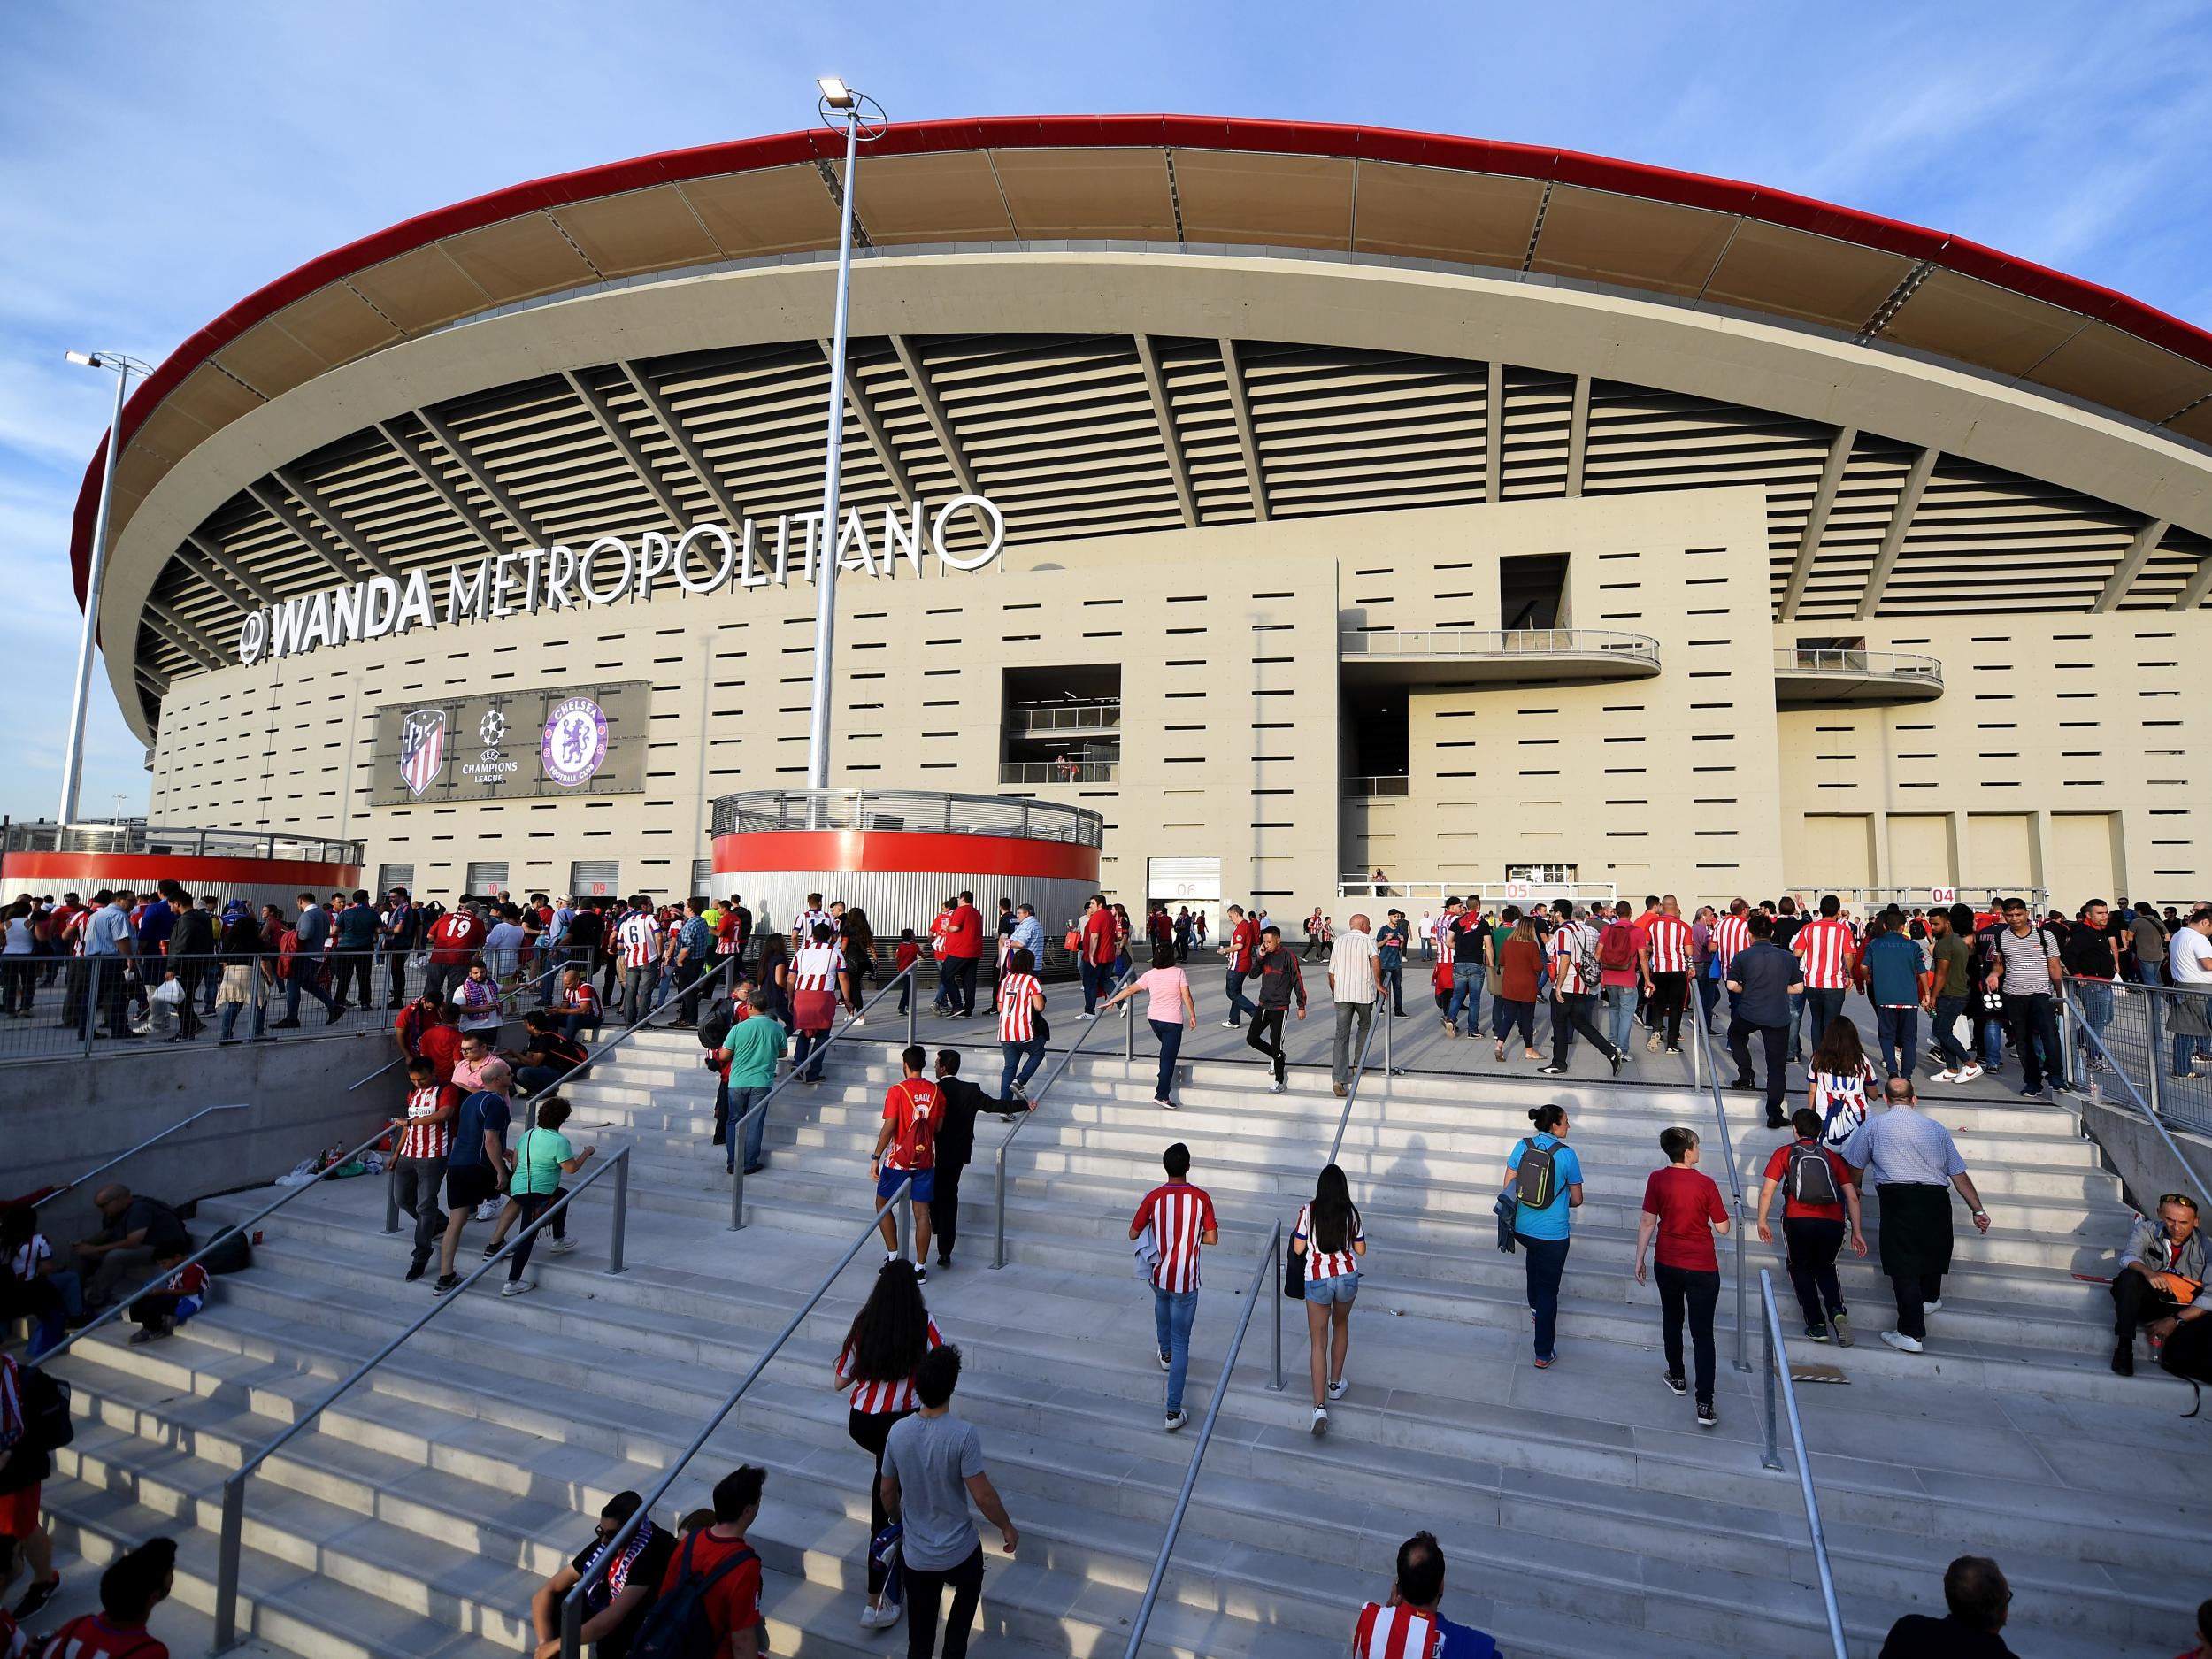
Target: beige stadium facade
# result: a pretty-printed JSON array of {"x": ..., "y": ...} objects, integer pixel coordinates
[{"x": 1390, "y": 501}]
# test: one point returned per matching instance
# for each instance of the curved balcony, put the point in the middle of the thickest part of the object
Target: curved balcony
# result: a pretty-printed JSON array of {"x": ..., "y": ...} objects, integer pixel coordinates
[
  {"x": 916, "y": 811},
  {"x": 1806, "y": 678},
  {"x": 1490, "y": 657}
]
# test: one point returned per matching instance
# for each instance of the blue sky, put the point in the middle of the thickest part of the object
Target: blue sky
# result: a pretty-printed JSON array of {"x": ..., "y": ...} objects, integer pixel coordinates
[{"x": 158, "y": 162}]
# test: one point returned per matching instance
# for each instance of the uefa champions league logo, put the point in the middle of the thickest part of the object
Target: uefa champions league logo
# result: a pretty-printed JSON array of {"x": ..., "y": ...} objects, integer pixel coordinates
[{"x": 574, "y": 746}]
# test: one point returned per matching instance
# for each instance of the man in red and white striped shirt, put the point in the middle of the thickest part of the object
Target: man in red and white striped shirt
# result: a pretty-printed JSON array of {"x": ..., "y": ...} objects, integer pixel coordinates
[
  {"x": 1828, "y": 951},
  {"x": 1409, "y": 1626},
  {"x": 637, "y": 943},
  {"x": 906, "y": 1148},
  {"x": 1672, "y": 952},
  {"x": 1181, "y": 1218},
  {"x": 418, "y": 1165},
  {"x": 1732, "y": 934},
  {"x": 1021, "y": 1027}
]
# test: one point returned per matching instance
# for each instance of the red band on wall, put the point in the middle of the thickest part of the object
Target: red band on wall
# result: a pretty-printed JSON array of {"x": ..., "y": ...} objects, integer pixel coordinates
[
  {"x": 903, "y": 852},
  {"x": 136, "y": 870}
]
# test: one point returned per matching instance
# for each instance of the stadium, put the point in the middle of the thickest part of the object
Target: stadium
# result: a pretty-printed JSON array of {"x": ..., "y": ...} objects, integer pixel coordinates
[{"x": 1322, "y": 508}]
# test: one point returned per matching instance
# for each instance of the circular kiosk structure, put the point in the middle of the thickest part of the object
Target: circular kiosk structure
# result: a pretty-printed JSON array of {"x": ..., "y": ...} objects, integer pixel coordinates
[
  {"x": 900, "y": 853},
  {"x": 259, "y": 866}
]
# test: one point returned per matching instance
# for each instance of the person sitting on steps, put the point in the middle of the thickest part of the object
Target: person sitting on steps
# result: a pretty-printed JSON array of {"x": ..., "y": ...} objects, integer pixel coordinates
[{"x": 2161, "y": 1277}]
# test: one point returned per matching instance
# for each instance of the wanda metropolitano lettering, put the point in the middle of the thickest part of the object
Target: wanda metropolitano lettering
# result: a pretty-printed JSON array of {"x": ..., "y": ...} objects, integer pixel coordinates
[{"x": 704, "y": 559}]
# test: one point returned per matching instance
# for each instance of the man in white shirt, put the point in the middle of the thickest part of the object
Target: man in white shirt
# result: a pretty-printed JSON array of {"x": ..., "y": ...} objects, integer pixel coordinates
[
  {"x": 1355, "y": 981},
  {"x": 637, "y": 943},
  {"x": 2189, "y": 958}
]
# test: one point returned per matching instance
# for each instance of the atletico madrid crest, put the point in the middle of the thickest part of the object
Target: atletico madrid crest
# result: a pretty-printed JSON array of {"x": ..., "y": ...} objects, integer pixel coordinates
[{"x": 422, "y": 749}]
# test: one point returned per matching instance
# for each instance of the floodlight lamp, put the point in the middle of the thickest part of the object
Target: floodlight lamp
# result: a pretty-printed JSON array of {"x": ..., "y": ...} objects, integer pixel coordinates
[
  {"x": 84, "y": 359},
  {"x": 835, "y": 93}
]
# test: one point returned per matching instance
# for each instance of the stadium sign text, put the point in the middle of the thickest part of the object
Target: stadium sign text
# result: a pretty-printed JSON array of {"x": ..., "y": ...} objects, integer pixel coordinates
[{"x": 704, "y": 559}]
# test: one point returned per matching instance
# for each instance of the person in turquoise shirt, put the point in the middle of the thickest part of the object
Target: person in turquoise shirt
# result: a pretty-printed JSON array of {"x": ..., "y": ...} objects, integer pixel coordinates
[
  {"x": 748, "y": 1058},
  {"x": 1541, "y": 1230},
  {"x": 543, "y": 1156}
]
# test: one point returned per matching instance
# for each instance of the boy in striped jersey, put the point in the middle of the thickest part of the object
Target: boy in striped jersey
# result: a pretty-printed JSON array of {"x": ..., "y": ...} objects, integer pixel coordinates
[
  {"x": 1181, "y": 1218},
  {"x": 418, "y": 1167}
]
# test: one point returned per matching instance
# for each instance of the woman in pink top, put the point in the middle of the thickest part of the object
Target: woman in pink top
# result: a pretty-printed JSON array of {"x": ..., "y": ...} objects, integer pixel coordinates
[{"x": 1169, "y": 1011}]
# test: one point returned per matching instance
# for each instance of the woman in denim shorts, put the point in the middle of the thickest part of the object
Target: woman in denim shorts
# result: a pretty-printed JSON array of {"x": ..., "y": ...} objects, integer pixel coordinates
[{"x": 1329, "y": 1235}]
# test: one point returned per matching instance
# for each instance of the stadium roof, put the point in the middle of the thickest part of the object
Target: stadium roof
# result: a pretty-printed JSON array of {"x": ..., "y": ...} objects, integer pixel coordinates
[{"x": 1178, "y": 181}]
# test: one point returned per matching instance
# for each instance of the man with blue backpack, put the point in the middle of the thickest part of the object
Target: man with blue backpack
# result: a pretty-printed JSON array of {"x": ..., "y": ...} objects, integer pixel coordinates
[{"x": 710, "y": 1600}]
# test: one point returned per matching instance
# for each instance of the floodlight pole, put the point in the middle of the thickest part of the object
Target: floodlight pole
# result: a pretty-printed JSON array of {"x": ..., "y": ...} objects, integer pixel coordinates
[
  {"x": 818, "y": 757},
  {"x": 96, "y": 568}
]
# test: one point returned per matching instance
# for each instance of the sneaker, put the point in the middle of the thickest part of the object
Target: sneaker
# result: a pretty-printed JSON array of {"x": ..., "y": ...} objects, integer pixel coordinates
[
  {"x": 1841, "y": 1325},
  {"x": 1932, "y": 1307},
  {"x": 1969, "y": 1073},
  {"x": 1276, "y": 1088},
  {"x": 1947, "y": 1075},
  {"x": 447, "y": 1284},
  {"x": 1674, "y": 1049},
  {"x": 1545, "y": 1362},
  {"x": 1676, "y": 1386},
  {"x": 921, "y": 1274},
  {"x": 1176, "y": 1420},
  {"x": 415, "y": 1269},
  {"x": 1337, "y": 1388},
  {"x": 1903, "y": 1344},
  {"x": 1707, "y": 1418},
  {"x": 562, "y": 1247},
  {"x": 1551, "y": 1070},
  {"x": 1620, "y": 1062},
  {"x": 1230, "y": 1024},
  {"x": 1340, "y": 1090},
  {"x": 516, "y": 1288},
  {"x": 1450, "y": 1030},
  {"x": 1651, "y": 1043},
  {"x": 1020, "y": 1091},
  {"x": 857, "y": 1020},
  {"x": 2123, "y": 1358},
  {"x": 1167, "y": 1361},
  {"x": 1086, "y": 1017},
  {"x": 147, "y": 1333},
  {"x": 493, "y": 1248},
  {"x": 1164, "y": 1105},
  {"x": 1320, "y": 1422},
  {"x": 1816, "y": 1333},
  {"x": 881, "y": 1617},
  {"x": 37, "y": 1596},
  {"x": 489, "y": 1210}
]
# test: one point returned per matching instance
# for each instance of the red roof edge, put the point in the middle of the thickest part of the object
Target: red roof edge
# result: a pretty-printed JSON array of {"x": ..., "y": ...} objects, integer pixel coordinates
[{"x": 1471, "y": 155}]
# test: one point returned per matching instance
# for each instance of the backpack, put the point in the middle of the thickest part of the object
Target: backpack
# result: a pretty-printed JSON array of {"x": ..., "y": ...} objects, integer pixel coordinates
[
  {"x": 1807, "y": 1177},
  {"x": 1534, "y": 1182},
  {"x": 47, "y": 1424},
  {"x": 231, "y": 1253},
  {"x": 1617, "y": 946},
  {"x": 678, "y": 1626},
  {"x": 714, "y": 1030}
]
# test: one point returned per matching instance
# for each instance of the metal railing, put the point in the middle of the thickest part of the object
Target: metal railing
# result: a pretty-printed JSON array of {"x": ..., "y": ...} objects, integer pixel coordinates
[
  {"x": 234, "y": 1106},
  {"x": 1869, "y": 899},
  {"x": 902, "y": 1203},
  {"x": 1036, "y": 1098},
  {"x": 116, "y": 1309},
  {"x": 1360, "y": 884},
  {"x": 1381, "y": 786},
  {"x": 159, "y": 842},
  {"x": 735, "y": 1130},
  {"x": 2156, "y": 1106},
  {"x": 1101, "y": 717},
  {"x": 1501, "y": 642},
  {"x": 1857, "y": 665},
  {"x": 1705, "y": 1073},
  {"x": 233, "y": 1522},
  {"x": 1264, "y": 1282},
  {"x": 1778, "y": 1369},
  {"x": 756, "y": 810},
  {"x": 1057, "y": 772}
]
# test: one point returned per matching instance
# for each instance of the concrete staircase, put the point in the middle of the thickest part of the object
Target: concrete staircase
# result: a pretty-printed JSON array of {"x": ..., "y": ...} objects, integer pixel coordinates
[{"x": 1582, "y": 1511}]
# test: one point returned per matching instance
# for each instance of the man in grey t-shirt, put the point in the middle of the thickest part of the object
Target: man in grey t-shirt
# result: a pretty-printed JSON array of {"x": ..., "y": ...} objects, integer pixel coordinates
[
  {"x": 933, "y": 1464},
  {"x": 2025, "y": 973}
]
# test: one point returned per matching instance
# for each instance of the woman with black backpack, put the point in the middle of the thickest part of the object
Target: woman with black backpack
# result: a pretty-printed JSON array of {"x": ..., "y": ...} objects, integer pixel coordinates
[
  {"x": 888, "y": 1337},
  {"x": 1813, "y": 1210},
  {"x": 1544, "y": 1179},
  {"x": 1329, "y": 1241}
]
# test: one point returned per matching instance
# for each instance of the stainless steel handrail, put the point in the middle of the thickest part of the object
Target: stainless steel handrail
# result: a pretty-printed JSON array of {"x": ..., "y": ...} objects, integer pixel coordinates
[
  {"x": 901, "y": 1202},
  {"x": 736, "y": 1131},
  {"x": 1777, "y": 1367},
  {"x": 1269, "y": 1269},
  {"x": 233, "y": 1106},
  {"x": 1497, "y": 642},
  {"x": 234, "y": 1485},
  {"x": 1036, "y": 1098},
  {"x": 2082, "y": 1028},
  {"x": 1381, "y": 1017},
  {"x": 1827, "y": 660},
  {"x": 529, "y": 984},
  {"x": 1701, "y": 1061}
]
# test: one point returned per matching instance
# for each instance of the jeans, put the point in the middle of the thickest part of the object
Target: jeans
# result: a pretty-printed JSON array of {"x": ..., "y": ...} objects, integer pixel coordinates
[
  {"x": 1707, "y": 998},
  {"x": 687, "y": 985},
  {"x": 533, "y": 1205},
  {"x": 260, "y": 1015},
  {"x": 395, "y": 959},
  {"x": 210, "y": 981},
  {"x": 947, "y": 997},
  {"x": 1620, "y": 1013},
  {"x": 351, "y": 967},
  {"x": 415, "y": 1183},
  {"x": 530, "y": 1079},
  {"x": 1240, "y": 1004},
  {"x": 1797, "y": 1027},
  {"x": 1669, "y": 992},
  {"x": 743, "y": 1100},
  {"x": 1348, "y": 1016},
  {"x": 1169, "y": 1032},
  {"x": 638, "y": 986},
  {"x": 1945, "y": 1028},
  {"x": 809, "y": 1042},
  {"x": 1172, "y": 1311},
  {"x": 1505, "y": 1014},
  {"x": 1571, "y": 1013},
  {"x": 2034, "y": 1022},
  {"x": 1898, "y": 1032},
  {"x": 2095, "y": 998},
  {"x": 1825, "y": 1007},
  {"x": 302, "y": 983},
  {"x": 868, "y": 1431},
  {"x": 1777, "y": 1043},
  {"x": 1545, "y": 1261},
  {"x": 963, "y": 991},
  {"x": 924, "y": 1594},
  {"x": 1394, "y": 984},
  {"x": 1813, "y": 1245},
  {"x": 440, "y": 977},
  {"x": 1097, "y": 978},
  {"x": 1266, "y": 1037},
  {"x": 1467, "y": 983},
  {"x": 1034, "y": 1048},
  {"x": 1694, "y": 1291}
]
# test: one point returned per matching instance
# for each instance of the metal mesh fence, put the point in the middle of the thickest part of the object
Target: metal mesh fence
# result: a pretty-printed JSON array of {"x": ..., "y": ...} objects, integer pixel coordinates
[{"x": 2160, "y": 1038}]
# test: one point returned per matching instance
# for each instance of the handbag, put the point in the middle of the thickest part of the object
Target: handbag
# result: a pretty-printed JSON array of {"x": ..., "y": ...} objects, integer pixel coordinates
[
  {"x": 1294, "y": 1265},
  {"x": 1072, "y": 940}
]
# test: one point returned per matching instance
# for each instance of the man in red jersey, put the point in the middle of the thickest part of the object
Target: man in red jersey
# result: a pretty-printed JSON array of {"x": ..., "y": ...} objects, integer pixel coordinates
[{"x": 906, "y": 1150}]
